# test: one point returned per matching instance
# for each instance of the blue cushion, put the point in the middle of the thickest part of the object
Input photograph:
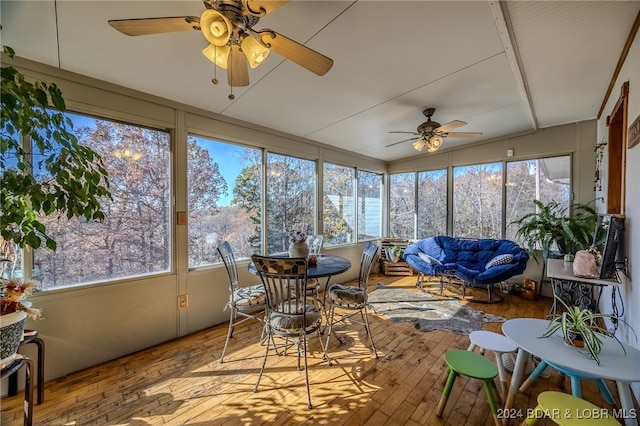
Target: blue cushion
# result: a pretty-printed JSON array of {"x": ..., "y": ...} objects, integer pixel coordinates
[
  {"x": 429, "y": 259},
  {"x": 501, "y": 259}
]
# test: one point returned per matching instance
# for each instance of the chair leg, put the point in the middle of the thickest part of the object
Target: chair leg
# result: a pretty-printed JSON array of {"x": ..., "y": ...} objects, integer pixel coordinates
[
  {"x": 365, "y": 317},
  {"x": 264, "y": 361},
  {"x": 306, "y": 368},
  {"x": 492, "y": 392},
  {"x": 446, "y": 392},
  {"x": 326, "y": 344},
  {"x": 232, "y": 320}
]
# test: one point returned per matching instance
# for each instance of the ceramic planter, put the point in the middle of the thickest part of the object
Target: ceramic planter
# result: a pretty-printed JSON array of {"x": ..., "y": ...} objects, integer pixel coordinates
[{"x": 11, "y": 332}]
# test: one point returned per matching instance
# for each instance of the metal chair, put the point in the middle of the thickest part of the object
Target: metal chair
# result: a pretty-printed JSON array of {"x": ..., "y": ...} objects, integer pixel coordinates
[
  {"x": 314, "y": 242},
  {"x": 352, "y": 298},
  {"x": 289, "y": 315},
  {"x": 244, "y": 302}
]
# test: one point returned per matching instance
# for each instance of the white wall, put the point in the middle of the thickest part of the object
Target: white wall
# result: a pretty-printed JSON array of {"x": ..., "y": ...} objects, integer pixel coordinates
[{"x": 629, "y": 296}]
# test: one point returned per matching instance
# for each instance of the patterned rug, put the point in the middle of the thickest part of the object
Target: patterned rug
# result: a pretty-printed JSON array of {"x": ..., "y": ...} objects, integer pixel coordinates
[{"x": 427, "y": 313}]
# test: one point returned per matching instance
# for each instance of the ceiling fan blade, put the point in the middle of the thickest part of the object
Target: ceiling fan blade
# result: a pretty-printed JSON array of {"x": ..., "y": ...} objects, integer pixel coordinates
[
  {"x": 295, "y": 52},
  {"x": 262, "y": 7},
  {"x": 238, "y": 68},
  {"x": 146, "y": 26},
  {"x": 451, "y": 125},
  {"x": 462, "y": 135},
  {"x": 409, "y": 133},
  {"x": 397, "y": 143}
]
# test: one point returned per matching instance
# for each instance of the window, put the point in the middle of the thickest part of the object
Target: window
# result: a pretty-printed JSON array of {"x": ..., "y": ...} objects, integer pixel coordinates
[
  {"x": 369, "y": 206},
  {"x": 135, "y": 237},
  {"x": 546, "y": 179},
  {"x": 339, "y": 204},
  {"x": 432, "y": 203},
  {"x": 291, "y": 189},
  {"x": 224, "y": 198},
  {"x": 402, "y": 204},
  {"x": 477, "y": 201}
]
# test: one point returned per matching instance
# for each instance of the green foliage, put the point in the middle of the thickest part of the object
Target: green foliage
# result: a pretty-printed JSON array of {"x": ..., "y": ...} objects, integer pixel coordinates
[
  {"x": 551, "y": 224},
  {"x": 582, "y": 322},
  {"x": 71, "y": 177}
]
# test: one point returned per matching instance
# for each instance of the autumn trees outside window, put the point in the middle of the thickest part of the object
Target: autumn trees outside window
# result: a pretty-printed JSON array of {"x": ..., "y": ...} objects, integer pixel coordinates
[
  {"x": 485, "y": 198},
  {"x": 224, "y": 198},
  {"x": 135, "y": 237}
]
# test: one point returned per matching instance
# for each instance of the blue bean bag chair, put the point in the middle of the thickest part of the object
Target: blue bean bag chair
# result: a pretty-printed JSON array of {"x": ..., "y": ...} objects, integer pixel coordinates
[{"x": 476, "y": 262}]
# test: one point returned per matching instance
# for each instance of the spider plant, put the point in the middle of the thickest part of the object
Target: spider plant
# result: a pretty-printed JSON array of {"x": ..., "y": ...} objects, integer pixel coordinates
[{"x": 584, "y": 323}]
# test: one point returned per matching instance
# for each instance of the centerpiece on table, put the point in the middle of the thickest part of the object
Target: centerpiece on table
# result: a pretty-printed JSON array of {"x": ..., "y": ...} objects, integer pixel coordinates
[
  {"x": 298, "y": 244},
  {"x": 13, "y": 314},
  {"x": 580, "y": 327}
]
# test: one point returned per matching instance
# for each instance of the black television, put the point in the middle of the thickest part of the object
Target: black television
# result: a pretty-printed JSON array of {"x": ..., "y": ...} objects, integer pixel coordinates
[{"x": 608, "y": 238}]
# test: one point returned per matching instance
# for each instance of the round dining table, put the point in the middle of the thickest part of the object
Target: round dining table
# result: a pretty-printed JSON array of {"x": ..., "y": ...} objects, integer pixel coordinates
[{"x": 327, "y": 266}]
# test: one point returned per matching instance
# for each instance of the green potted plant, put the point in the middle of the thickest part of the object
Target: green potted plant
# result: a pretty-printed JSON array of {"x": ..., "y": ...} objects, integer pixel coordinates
[
  {"x": 580, "y": 327},
  {"x": 394, "y": 253},
  {"x": 551, "y": 226},
  {"x": 74, "y": 180}
]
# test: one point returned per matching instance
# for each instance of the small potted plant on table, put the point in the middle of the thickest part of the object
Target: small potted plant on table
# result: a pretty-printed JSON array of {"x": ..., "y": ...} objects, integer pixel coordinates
[{"x": 580, "y": 327}]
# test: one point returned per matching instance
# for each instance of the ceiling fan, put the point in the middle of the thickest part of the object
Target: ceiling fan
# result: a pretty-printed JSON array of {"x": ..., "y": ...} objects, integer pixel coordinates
[
  {"x": 431, "y": 133},
  {"x": 233, "y": 43}
]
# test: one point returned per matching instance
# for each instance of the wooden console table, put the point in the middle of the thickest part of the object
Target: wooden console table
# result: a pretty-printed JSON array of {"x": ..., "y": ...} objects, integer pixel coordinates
[{"x": 574, "y": 290}]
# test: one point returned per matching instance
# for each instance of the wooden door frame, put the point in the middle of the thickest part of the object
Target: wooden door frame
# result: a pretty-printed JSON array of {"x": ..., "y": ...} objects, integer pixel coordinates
[{"x": 617, "y": 153}]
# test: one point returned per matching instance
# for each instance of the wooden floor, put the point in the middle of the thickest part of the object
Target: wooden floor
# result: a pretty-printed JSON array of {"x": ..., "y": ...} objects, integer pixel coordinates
[{"x": 183, "y": 383}]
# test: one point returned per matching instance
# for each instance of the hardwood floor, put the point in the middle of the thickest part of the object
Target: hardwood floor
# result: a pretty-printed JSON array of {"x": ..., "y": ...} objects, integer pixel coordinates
[{"x": 183, "y": 383}]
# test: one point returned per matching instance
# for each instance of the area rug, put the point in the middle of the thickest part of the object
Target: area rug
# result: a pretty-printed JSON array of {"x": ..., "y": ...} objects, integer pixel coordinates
[{"x": 427, "y": 313}]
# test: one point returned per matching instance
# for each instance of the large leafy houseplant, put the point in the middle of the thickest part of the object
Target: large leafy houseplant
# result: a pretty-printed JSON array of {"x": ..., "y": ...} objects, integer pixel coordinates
[
  {"x": 71, "y": 178},
  {"x": 582, "y": 324},
  {"x": 552, "y": 226}
]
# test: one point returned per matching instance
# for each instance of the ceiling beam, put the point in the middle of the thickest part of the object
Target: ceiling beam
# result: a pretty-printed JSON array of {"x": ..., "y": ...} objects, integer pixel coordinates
[{"x": 505, "y": 31}]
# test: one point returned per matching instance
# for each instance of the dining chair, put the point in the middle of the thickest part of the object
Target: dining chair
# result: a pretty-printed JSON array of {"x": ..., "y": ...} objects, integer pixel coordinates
[
  {"x": 245, "y": 302},
  {"x": 314, "y": 242},
  {"x": 351, "y": 298},
  {"x": 289, "y": 314}
]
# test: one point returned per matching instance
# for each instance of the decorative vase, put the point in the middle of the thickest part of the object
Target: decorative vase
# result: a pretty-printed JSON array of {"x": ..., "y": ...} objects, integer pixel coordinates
[
  {"x": 11, "y": 332},
  {"x": 299, "y": 249}
]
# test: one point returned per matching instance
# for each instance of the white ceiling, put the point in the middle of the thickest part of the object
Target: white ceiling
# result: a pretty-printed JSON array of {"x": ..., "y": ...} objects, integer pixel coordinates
[{"x": 392, "y": 59}]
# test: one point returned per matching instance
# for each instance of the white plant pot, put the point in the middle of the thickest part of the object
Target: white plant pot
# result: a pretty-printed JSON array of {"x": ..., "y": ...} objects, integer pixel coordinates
[{"x": 11, "y": 334}]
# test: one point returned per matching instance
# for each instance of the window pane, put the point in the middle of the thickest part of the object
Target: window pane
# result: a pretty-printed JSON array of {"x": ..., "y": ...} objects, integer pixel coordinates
[
  {"x": 339, "y": 204},
  {"x": 369, "y": 206},
  {"x": 224, "y": 190},
  {"x": 402, "y": 205},
  {"x": 545, "y": 179},
  {"x": 291, "y": 184},
  {"x": 135, "y": 237},
  {"x": 432, "y": 203},
  {"x": 477, "y": 201}
]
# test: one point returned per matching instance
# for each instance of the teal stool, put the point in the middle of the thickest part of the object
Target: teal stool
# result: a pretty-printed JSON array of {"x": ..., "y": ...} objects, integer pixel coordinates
[
  {"x": 575, "y": 376},
  {"x": 567, "y": 410},
  {"x": 475, "y": 366}
]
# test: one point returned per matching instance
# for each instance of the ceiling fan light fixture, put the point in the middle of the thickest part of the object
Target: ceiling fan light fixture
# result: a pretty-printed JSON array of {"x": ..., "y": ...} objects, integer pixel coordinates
[
  {"x": 215, "y": 27},
  {"x": 419, "y": 144},
  {"x": 219, "y": 55},
  {"x": 255, "y": 52},
  {"x": 434, "y": 143}
]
